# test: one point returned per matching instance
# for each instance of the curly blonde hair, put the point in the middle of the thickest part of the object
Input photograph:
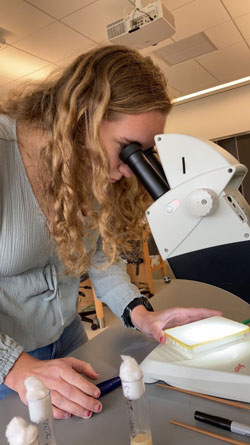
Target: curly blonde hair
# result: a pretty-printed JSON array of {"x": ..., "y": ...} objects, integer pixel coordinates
[{"x": 99, "y": 84}]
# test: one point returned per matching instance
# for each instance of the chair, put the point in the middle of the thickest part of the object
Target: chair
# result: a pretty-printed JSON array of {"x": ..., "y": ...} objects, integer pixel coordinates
[
  {"x": 95, "y": 307},
  {"x": 150, "y": 269},
  {"x": 141, "y": 270}
]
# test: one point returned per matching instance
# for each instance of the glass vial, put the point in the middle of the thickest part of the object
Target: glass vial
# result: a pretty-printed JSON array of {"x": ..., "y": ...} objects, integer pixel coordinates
[
  {"x": 134, "y": 392},
  {"x": 40, "y": 411}
]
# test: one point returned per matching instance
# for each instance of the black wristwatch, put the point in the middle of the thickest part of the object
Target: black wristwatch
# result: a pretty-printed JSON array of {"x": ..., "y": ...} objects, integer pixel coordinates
[{"x": 136, "y": 302}]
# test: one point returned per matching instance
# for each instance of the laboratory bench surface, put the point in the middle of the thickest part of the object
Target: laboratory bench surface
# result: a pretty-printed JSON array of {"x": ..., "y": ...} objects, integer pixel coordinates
[{"x": 110, "y": 427}]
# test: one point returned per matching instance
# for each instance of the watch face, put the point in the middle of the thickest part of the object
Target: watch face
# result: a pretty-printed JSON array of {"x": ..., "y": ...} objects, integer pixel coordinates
[
  {"x": 148, "y": 305},
  {"x": 138, "y": 301}
]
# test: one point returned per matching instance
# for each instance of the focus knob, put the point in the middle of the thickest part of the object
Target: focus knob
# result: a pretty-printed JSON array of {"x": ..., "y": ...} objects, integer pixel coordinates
[{"x": 202, "y": 202}]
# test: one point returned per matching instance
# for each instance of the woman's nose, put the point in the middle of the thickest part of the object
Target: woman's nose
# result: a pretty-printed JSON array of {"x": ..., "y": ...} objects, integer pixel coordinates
[{"x": 125, "y": 171}]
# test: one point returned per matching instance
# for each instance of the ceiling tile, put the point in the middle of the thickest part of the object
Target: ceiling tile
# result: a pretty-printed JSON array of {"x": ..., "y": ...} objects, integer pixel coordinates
[
  {"x": 224, "y": 35},
  {"x": 60, "y": 8},
  {"x": 18, "y": 19},
  {"x": 170, "y": 4},
  {"x": 92, "y": 20},
  {"x": 194, "y": 79},
  {"x": 173, "y": 93},
  {"x": 32, "y": 26},
  {"x": 237, "y": 7},
  {"x": 42, "y": 73},
  {"x": 198, "y": 16},
  {"x": 174, "y": 4},
  {"x": 54, "y": 42},
  {"x": 162, "y": 64},
  {"x": 229, "y": 63},
  {"x": 244, "y": 25},
  {"x": 15, "y": 63},
  {"x": 11, "y": 84},
  {"x": 4, "y": 79}
]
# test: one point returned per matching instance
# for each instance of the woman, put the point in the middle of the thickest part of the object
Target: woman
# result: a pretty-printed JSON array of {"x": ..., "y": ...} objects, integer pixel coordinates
[{"x": 62, "y": 185}]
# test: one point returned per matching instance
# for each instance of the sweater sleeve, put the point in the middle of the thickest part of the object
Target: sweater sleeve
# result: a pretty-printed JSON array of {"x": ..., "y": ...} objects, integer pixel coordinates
[
  {"x": 9, "y": 353},
  {"x": 112, "y": 286}
]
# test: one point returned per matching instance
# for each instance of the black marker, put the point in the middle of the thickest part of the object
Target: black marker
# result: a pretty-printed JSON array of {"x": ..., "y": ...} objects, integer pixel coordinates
[
  {"x": 108, "y": 385},
  {"x": 225, "y": 424}
]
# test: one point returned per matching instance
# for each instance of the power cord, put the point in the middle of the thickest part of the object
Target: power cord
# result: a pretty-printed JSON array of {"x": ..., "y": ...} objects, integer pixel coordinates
[
  {"x": 143, "y": 12},
  {"x": 140, "y": 10}
]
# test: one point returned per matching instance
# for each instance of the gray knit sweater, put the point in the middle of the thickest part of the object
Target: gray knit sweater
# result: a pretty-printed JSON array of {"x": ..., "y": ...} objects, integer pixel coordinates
[{"x": 37, "y": 300}]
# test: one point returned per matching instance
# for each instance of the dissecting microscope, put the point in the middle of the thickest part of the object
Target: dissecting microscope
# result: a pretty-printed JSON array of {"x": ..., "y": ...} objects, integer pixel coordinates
[
  {"x": 201, "y": 224},
  {"x": 199, "y": 219}
]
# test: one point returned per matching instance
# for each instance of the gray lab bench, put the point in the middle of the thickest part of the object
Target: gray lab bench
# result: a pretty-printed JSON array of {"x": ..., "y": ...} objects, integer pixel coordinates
[{"x": 110, "y": 427}]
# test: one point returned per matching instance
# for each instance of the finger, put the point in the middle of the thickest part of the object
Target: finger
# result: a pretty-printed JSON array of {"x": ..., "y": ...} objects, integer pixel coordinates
[
  {"x": 80, "y": 410},
  {"x": 157, "y": 333},
  {"x": 82, "y": 367},
  {"x": 178, "y": 316},
  {"x": 65, "y": 405},
  {"x": 163, "y": 338},
  {"x": 65, "y": 391},
  {"x": 193, "y": 314},
  {"x": 59, "y": 413},
  {"x": 74, "y": 379}
]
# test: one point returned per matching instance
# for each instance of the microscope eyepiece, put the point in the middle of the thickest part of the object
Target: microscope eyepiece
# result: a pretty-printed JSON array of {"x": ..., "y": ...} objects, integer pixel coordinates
[
  {"x": 128, "y": 151},
  {"x": 135, "y": 158}
]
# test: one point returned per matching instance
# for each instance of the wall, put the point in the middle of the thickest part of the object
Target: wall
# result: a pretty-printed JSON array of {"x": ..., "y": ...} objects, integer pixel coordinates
[{"x": 220, "y": 115}]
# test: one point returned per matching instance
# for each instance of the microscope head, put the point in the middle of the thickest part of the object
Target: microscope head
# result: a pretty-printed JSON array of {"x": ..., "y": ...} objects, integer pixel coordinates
[{"x": 199, "y": 219}]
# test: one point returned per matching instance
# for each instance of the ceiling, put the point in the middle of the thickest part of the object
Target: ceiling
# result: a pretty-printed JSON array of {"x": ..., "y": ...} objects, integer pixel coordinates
[{"x": 44, "y": 34}]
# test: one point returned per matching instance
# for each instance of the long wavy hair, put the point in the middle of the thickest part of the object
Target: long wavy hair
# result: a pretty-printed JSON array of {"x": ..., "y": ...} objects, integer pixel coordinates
[{"x": 70, "y": 107}]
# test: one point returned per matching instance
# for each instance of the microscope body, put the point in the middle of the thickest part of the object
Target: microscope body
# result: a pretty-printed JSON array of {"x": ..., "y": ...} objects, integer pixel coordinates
[
  {"x": 199, "y": 219},
  {"x": 203, "y": 207}
]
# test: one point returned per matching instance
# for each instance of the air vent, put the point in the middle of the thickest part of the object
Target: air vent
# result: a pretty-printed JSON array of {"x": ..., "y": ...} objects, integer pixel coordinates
[
  {"x": 186, "y": 49},
  {"x": 116, "y": 28}
]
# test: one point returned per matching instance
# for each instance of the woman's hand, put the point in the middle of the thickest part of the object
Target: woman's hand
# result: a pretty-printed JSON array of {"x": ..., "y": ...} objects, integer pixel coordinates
[
  {"x": 153, "y": 323},
  {"x": 70, "y": 392}
]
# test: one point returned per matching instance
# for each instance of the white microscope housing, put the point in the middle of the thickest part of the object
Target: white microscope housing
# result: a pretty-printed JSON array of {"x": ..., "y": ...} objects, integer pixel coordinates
[
  {"x": 203, "y": 207},
  {"x": 199, "y": 219}
]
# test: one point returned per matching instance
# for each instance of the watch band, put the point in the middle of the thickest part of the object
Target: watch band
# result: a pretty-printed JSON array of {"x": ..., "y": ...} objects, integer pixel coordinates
[{"x": 138, "y": 301}]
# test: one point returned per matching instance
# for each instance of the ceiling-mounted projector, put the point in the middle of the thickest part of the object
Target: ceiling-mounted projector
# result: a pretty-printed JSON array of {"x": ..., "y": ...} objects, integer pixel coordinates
[{"x": 143, "y": 27}]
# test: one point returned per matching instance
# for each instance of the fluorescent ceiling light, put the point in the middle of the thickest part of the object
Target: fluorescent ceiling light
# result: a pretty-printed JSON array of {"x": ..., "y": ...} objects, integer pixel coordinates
[{"x": 227, "y": 85}]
